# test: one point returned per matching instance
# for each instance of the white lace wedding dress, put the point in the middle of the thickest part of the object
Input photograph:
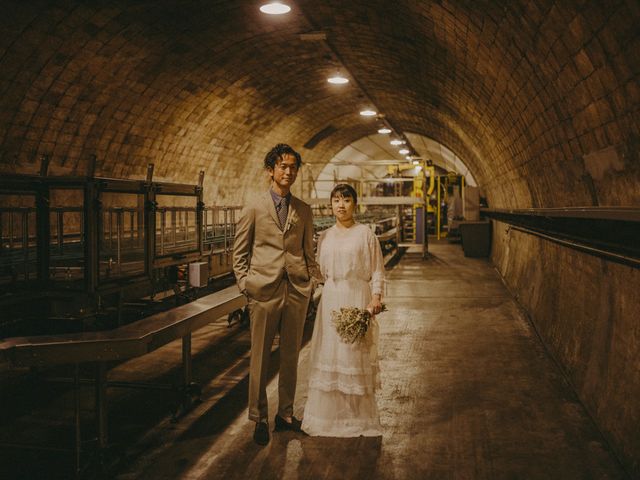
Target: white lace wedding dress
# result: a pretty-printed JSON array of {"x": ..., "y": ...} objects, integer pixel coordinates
[{"x": 343, "y": 378}]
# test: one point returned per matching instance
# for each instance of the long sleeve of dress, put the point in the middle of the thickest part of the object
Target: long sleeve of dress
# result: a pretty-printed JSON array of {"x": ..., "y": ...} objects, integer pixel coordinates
[{"x": 377, "y": 265}]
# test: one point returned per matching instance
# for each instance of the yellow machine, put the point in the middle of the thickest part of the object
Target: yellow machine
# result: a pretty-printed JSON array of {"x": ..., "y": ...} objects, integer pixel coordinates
[
  {"x": 421, "y": 187},
  {"x": 442, "y": 197}
]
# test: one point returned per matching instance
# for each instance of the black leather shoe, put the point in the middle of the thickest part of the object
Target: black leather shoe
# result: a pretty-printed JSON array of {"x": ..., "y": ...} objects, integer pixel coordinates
[
  {"x": 282, "y": 424},
  {"x": 261, "y": 433}
]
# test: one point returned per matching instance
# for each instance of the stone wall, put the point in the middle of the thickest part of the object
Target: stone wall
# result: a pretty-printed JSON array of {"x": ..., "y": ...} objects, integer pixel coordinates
[{"x": 587, "y": 312}]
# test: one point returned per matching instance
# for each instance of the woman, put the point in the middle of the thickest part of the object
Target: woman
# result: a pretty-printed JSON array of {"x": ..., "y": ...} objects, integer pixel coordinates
[{"x": 343, "y": 377}]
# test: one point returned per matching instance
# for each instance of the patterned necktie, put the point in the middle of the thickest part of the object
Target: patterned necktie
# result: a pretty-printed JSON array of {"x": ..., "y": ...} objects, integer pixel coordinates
[{"x": 282, "y": 212}]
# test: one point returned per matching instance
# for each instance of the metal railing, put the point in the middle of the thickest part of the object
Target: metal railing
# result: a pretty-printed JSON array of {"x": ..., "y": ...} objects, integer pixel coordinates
[
  {"x": 612, "y": 233},
  {"x": 219, "y": 228},
  {"x": 17, "y": 242}
]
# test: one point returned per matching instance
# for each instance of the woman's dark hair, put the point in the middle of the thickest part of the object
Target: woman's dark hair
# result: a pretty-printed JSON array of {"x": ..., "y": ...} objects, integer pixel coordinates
[
  {"x": 276, "y": 154},
  {"x": 344, "y": 190}
]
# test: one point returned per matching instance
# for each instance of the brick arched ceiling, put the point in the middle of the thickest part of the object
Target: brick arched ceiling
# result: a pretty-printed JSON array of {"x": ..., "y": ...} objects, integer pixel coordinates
[{"x": 541, "y": 98}]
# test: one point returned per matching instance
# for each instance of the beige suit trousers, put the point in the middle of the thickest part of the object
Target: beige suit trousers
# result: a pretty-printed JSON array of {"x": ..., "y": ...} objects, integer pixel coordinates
[{"x": 285, "y": 312}]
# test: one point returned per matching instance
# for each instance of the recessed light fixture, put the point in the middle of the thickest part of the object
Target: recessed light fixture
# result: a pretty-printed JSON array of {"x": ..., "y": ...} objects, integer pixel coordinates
[
  {"x": 338, "y": 80},
  {"x": 368, "y": 113},
  {"x": 275, "y": 8},
  {"x": 384, "y": 130},
  {"x": 403, "y": 151},
  {"x": 395, "y": 141}
]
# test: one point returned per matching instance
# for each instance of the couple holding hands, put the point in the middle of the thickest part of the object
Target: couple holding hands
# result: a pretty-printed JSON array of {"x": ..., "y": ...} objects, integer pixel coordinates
[{"x": 276, "y": 268}]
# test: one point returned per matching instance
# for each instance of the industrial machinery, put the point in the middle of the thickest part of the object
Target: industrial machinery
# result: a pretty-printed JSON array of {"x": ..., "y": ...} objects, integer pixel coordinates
[
  {"x": 78, "y": 253},
  {"x": 91, "y": 253}
]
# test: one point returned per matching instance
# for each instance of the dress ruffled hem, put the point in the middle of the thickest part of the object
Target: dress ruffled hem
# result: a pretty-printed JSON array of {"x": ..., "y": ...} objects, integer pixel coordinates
[
  {"x": 362, "y": 370},
  {"x": 338, "y": 386},
  {"x": 317, "y": 427},
  {"x": 354, "y": 384}
]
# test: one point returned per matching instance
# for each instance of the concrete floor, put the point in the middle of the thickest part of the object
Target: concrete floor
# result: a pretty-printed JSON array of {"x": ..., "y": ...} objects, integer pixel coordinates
[{"x": 468, "y": 391}]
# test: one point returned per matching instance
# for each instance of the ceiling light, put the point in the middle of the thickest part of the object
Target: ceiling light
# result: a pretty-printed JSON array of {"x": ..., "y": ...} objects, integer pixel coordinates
[
  {"x": 416, "y": 162},
  {"x": 395, "y": 141},
  {"x": 403, "y": 151},
  {"x": 408, "y": 157},
  {"x": 368, "y": 113},
  {"x": 338, "y": 80},
  {"x": 275, "y": 8},
  {"x": 384, "y": 130}
]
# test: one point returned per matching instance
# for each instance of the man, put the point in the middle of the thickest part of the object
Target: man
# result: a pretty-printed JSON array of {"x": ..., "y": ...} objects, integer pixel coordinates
[{"x": 274, "y": 264}]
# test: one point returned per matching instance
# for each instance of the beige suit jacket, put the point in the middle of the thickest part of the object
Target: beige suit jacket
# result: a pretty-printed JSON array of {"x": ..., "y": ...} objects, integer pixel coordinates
[{"x": 263, "y": 253}]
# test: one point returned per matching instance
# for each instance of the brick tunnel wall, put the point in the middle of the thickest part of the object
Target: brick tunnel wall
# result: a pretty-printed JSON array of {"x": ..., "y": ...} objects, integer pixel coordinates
[
  {"x": 540, "y": 98},
  {"x": 586, "y": 311},
  {"x": 200, "y": 87}
]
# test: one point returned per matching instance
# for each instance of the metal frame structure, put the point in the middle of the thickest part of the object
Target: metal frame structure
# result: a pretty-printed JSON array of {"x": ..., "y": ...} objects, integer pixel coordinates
[{"x": 93, "y": 231}]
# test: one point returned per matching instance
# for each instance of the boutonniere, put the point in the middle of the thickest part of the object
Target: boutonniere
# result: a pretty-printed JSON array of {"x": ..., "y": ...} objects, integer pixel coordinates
[{"x": 292, "y": 222}]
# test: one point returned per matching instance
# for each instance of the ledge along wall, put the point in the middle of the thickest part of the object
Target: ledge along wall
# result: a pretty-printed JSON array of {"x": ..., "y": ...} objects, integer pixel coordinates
[{"x": 586, "y": 311}]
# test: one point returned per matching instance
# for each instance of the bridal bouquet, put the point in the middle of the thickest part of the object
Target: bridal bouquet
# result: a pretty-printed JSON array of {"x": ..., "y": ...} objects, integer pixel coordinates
[{"x": 352, "y": 323}]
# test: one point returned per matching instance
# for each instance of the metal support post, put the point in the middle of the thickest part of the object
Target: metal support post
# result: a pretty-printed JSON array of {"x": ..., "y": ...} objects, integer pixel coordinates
[
  {"x": 140, "y": 218},
  {"x": 92, "y": 216},
  {"x": 189, "y": 390},
  {"x": 199, "y": 213},
  {"x": 187, "y": 370},
  {"x": 163, "y": 226},
  {"x": 119, "y": 238},
  {"x": 150, "y": 228},
  {"x": 78, "y": 438},
  {"x": 43, "y": 232},
  {"x": 120, "y": 305},
  {"x": 60, "y": 219},
  {"x": 398, "y": 225},
  {"x": 439, "y": 208},
  {"x": 101, "y": 408},
  {"x": 226, "y": 230},
  {"x": 174, "y": 228},
  {"x": 25, "y": 242},
  {"x": 132, "y": 214},
  {"x": 11, "y": 224},
  {"x": 186, "y": 226},
  {"x": 462, "y": 192},
  {"x": 110, "y": 229}
]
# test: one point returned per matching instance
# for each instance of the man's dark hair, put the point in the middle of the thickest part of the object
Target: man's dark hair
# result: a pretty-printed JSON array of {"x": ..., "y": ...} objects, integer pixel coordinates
[
  {"x": 276, "y": 154},
  {"x": 344, "y": 190}
]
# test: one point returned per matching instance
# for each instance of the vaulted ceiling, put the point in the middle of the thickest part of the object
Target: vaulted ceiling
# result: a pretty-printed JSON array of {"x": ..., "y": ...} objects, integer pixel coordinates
[{"x": 541, "y": 99}]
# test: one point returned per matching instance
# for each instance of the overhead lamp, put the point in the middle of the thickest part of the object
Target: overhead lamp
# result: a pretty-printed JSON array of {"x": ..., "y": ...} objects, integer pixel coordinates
[
  {"x": 368, "y": 113},
  {"x": 338, "y": 80},
  {"x": 416, "y": 162},
  {"x": 403, "y": 151},
  {"x": 408, "y": 157},
  {"x": 275, "y": 8},
  {"x": 395, "y": 141},
  {"x": 384, "y": 130}
]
